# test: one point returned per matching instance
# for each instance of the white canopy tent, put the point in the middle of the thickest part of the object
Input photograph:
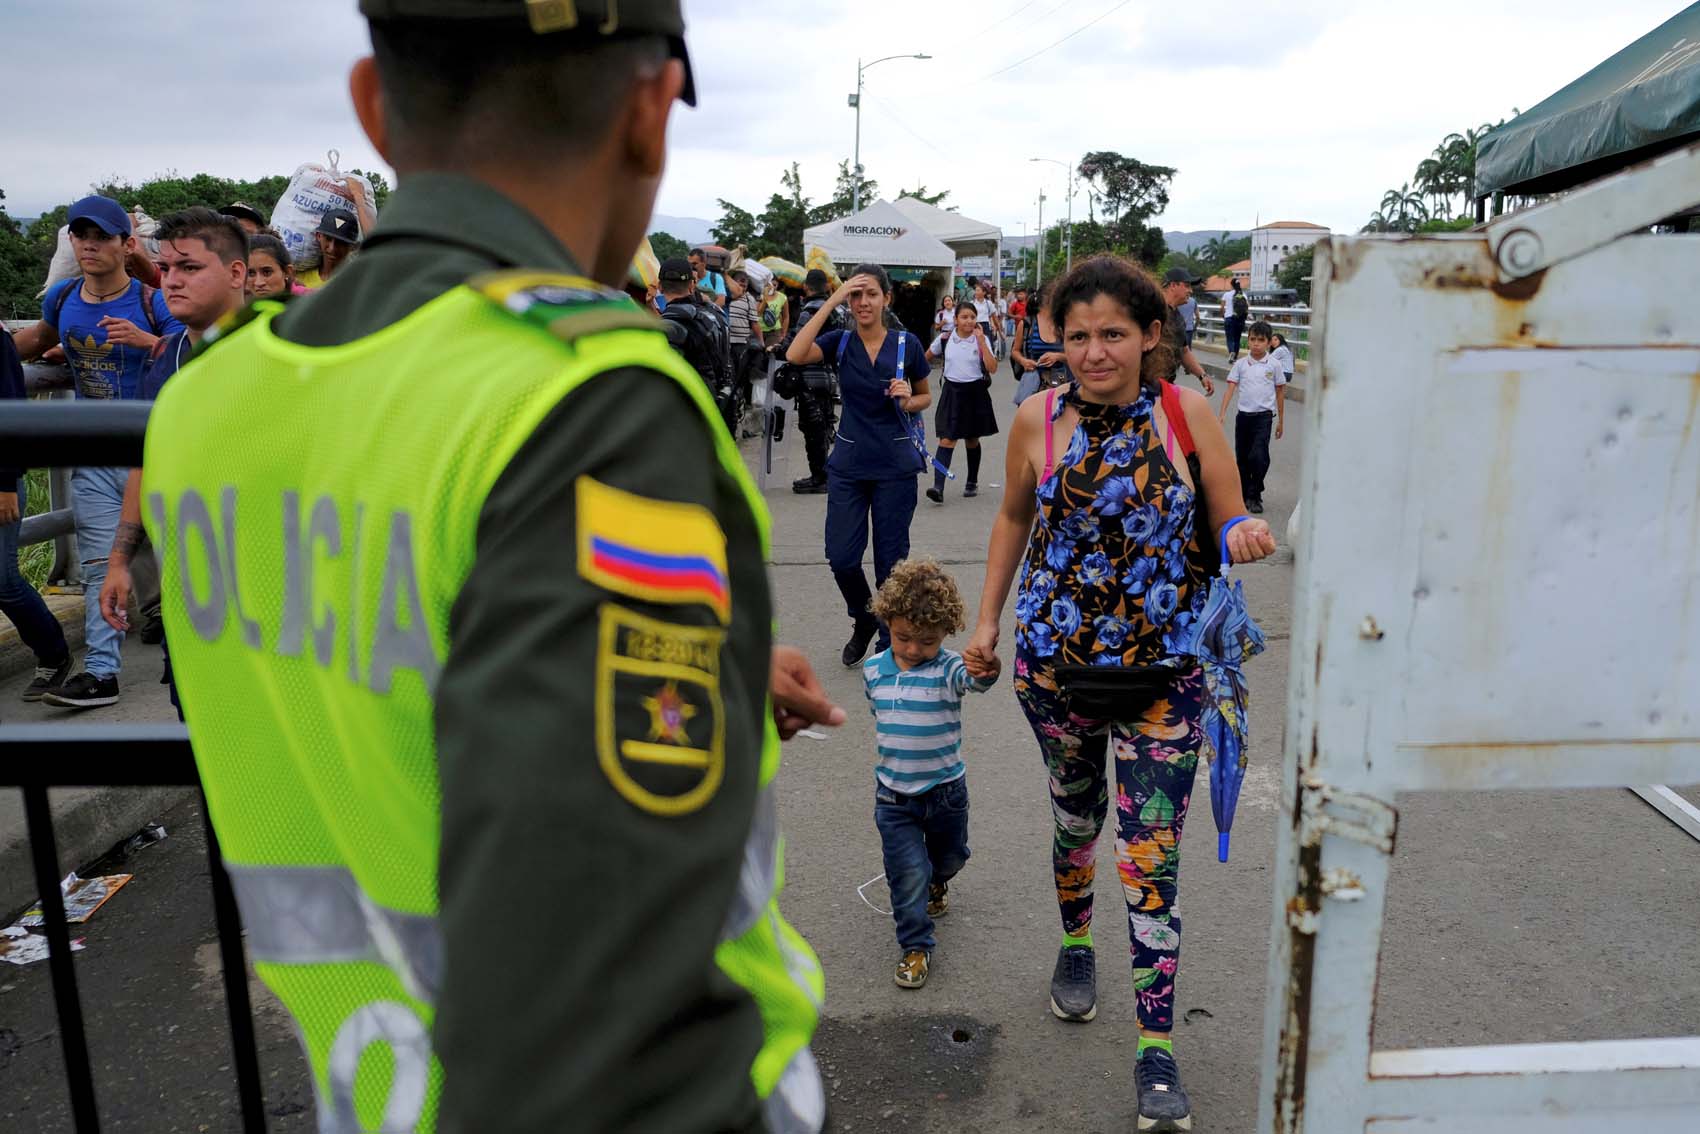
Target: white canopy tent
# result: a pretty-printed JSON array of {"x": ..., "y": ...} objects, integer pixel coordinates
[
  {"x": 879, "y": 234},
  {"x": 922, "y": 267},
  {"x": 966, "y": 236}
]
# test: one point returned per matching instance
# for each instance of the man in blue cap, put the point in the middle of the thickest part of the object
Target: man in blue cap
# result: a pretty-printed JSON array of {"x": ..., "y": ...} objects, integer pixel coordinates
[{"x": 108, "y": 324}]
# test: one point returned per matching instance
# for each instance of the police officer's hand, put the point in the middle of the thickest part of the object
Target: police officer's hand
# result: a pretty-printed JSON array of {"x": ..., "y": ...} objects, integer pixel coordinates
[
  {"x": 798, "y": 699},
  {"x": 115, "y": 596}
]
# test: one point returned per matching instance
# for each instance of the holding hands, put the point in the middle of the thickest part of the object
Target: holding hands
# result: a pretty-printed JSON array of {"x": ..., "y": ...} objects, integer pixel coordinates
[{"x": 981, "y": 656}]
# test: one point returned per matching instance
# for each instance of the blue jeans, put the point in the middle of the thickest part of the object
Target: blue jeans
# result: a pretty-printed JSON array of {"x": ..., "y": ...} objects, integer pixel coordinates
[
  {"x": 925, "y": 840},
  {"x": 97, "y": 497},
  {"x": 22, "y": 603}
]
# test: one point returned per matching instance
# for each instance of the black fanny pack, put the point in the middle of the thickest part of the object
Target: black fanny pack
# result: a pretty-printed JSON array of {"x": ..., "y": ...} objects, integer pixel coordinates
[{"x": 1113, "y": 692}]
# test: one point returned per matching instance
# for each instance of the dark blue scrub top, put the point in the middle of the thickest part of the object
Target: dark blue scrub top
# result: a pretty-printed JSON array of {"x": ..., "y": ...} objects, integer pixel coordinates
[{"x": 873, "y": 435}]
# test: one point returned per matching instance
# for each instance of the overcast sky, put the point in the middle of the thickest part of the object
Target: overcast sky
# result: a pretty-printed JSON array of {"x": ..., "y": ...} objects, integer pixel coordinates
[{"x": 1303, "y": 110}]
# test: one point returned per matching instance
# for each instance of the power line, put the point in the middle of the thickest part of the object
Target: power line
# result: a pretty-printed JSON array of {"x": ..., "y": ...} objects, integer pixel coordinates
[
  {"x": 1058, "y": 43},
  {"x": 988, "y": 28}
]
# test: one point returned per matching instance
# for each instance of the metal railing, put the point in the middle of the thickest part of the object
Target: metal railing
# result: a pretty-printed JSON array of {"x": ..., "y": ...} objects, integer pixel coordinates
[
  {"x": 35, "y": 758},
  {"x": 1294, "y": 322}
]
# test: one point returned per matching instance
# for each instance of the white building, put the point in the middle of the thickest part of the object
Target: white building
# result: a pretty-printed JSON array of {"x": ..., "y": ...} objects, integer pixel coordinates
[{"x": 1273, "y": 243}]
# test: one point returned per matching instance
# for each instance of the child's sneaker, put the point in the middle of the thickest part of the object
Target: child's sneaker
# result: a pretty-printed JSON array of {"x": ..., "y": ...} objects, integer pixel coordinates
[
  {"x": 912, "y": 969},
  {"x": 1163, "y": 1105},
  {"x": 938, "y": 899}
]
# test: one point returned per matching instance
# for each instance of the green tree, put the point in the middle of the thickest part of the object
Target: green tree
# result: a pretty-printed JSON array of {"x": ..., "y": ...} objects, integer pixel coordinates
[
  {"x": 1403, "y": 208},
  {"x": 1132, "y": 193},
  {"x": 736, "y": 226},
  {"x": 783, "y": 221},
  {"x": 842, "y": 190},
  {"x": 920, "y": 194},
  {"x": 21, "y": 268},
  {"x": 667, "y": 246},
  {"x": 1296, "y": 271}
]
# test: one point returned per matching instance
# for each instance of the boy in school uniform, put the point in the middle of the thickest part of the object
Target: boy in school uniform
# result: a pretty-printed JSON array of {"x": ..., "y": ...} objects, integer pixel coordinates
[{"x": 1262, "y": 388}]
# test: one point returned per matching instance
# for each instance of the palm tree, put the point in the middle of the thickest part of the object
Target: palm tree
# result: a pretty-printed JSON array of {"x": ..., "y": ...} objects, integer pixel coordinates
[
  {"x": 1404, "y": 208},
  {"x": 1213, "y": 251},
  {"x": 1433, "y": 182},
  {"x": 1377, "y": 223},
  {"x": 1460, "y": 158}
]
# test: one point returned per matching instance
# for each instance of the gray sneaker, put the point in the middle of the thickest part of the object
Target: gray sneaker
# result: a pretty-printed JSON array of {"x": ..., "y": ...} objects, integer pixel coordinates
[
  {"x": 1074, "y": 984},
  {"x": 47, "y": 679},
  {"x": 1163, "y": 1105}
]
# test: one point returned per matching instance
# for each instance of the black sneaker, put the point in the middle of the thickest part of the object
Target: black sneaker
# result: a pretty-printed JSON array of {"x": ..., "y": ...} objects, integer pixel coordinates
[
  {"x": 857, "y": 647},
  {"x": 1255, "y": 505},
  {"x": 1074, "y": 984},
  {"x": 971, "y": 489},
  {"x": 47, "y": 679},
  {"x": 936, "y": 496},
  {"x": 1163, "y": 1104},
  {"x": 809, "y": 486},
  {"x": 84, "y": 691}
]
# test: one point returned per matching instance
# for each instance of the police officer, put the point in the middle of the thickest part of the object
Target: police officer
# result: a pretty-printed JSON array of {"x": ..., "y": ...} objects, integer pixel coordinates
[
  {"x": 816, "y": 385},
  {"x": 471, "y": 625},
  {"x": 695, "y": 329}
]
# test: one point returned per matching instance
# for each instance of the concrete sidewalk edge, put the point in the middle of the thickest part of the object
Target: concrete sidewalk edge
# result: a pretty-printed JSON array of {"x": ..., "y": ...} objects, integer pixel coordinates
[{"x": 85, "y": 826}]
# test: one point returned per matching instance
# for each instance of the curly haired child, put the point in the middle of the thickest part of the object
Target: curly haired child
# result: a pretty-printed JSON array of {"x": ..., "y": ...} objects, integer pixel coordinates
[{"x": 915, "y": 689}]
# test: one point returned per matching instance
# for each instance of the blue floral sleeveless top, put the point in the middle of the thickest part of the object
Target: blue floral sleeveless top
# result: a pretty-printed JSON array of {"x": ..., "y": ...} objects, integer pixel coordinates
[{"x": 1112, "y": 575}]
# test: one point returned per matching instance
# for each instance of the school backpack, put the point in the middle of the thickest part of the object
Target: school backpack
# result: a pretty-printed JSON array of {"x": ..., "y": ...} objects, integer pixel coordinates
[
  {"x": 1242, "y": 307},
  {"x": 76, "y": 283}
]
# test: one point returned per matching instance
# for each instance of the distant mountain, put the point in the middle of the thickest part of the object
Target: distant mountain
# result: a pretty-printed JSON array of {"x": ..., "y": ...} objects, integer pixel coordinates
[
  {"x": 1179, "y": 241},
  {"x": 692, "y": 230}
]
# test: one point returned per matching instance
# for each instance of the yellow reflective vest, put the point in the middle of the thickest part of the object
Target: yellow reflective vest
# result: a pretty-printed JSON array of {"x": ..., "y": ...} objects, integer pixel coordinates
[{"x": 326, "y": 596}]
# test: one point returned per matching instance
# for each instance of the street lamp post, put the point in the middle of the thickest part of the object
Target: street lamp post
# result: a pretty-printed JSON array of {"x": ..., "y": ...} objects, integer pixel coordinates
[
  {"x": 1069, "y": 232},
  {"x": 1039, "y": 256},
  {"x": 856, "y": 103}
]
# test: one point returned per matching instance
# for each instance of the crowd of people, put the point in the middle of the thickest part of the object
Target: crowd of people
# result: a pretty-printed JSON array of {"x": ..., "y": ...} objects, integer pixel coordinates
[
  {"x": 1115, "y": 484},
  {"x": 122, "y": 325}
]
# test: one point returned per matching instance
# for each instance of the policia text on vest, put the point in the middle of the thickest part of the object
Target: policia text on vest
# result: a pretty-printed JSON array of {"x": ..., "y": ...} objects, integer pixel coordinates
[{"x": 212, "y": 588}]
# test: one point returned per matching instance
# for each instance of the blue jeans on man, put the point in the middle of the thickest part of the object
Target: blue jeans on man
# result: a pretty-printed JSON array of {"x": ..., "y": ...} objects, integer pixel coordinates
[
  {"x": 925, "y": 841},
  {"x": 22, "y": 603},
  {"x": 97, "y": 498}
]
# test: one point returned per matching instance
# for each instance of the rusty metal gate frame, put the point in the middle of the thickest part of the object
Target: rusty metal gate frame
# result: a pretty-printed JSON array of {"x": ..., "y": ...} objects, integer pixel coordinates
[
  {"x": 35, "y": 758},
  {"x": 1346, "y": 759}
]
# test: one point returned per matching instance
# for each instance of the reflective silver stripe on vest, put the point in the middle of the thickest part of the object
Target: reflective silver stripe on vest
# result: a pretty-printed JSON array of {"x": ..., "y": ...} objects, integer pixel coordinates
[
  {"x": 315, "y": 915},
  {"x": 759, "y": 873},
  {"x": 798, "y": 1103}
]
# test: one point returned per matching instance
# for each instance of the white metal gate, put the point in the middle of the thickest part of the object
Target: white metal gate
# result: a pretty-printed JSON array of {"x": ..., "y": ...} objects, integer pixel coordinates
[{"x": 1498, "y": 587}]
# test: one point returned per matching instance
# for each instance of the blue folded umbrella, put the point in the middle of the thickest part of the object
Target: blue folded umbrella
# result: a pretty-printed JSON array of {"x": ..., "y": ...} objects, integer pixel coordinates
[{"x": 1222, "y": 638}]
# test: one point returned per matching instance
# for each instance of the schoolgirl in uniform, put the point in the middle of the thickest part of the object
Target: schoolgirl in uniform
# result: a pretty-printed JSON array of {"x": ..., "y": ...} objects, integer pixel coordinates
[{"x": 965, "y": 402}]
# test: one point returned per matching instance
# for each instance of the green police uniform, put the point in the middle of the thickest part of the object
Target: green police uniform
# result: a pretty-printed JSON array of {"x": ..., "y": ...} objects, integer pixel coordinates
[{"x": 469, "y": 612}]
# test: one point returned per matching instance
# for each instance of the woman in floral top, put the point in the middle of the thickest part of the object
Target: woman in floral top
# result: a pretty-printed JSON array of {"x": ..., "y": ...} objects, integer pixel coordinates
[{"x": 1111, "y": 575}]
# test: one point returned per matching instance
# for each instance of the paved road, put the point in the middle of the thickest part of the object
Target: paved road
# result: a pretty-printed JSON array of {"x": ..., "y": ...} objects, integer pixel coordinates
[{"x": 1512, "y": 917}]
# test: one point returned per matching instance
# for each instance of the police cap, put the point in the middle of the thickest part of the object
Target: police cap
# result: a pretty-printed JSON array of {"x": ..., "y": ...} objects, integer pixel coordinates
[{"x": 585, "y": 18}]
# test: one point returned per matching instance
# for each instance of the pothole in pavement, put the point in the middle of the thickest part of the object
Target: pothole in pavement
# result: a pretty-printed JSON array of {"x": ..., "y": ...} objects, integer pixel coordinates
[{"x": 903, "y": 1072}]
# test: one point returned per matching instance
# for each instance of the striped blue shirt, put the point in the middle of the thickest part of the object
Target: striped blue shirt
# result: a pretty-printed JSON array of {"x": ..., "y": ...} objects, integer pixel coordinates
[{"x": 918, "y": 719}]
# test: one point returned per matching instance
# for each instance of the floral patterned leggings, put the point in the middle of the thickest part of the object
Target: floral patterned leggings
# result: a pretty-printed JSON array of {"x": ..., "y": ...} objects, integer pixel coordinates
[{"x": 1155, "y": 760}]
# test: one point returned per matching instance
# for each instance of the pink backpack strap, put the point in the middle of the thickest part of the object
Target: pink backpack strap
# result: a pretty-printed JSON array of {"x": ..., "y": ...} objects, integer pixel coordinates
[{"x": 1050, "y": 427}]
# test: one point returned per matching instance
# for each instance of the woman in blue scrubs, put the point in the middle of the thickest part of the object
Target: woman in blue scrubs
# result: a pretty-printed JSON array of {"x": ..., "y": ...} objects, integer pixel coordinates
[{"x": 882, "y": 379}]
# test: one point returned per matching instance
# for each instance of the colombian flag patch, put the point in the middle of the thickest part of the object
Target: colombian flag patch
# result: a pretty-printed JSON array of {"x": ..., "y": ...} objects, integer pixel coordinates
[{"x": 656, "y": 550}]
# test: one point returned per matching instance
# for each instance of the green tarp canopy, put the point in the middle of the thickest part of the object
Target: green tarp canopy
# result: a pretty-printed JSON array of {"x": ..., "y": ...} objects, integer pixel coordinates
[{"x": 1640, "y": 102}]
